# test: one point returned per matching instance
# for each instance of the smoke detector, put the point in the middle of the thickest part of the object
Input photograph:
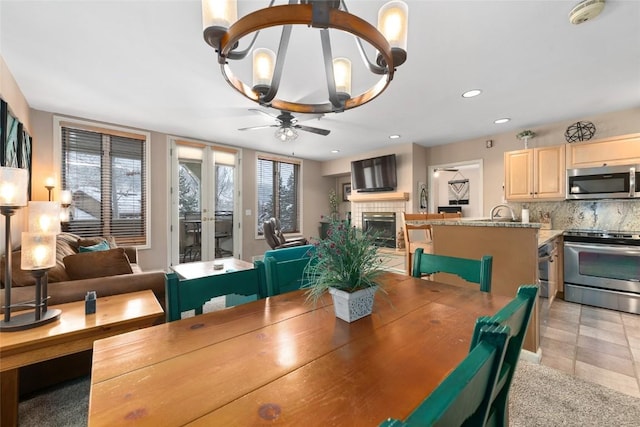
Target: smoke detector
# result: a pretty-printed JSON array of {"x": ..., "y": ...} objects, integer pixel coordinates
[{"x": 585, "y": 10}]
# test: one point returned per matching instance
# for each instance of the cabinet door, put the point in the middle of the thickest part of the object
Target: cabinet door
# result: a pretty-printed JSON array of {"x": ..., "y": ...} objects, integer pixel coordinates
[
  {"x": 549, "y": 172},
  {"x": 518, "y": 175},
  {"x": 621, "y": 150}
]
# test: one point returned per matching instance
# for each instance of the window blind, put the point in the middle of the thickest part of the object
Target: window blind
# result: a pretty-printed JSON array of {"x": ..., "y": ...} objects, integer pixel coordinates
[
  {"x": 278, "y": 193},
  {"x": 106, "y": 174}
]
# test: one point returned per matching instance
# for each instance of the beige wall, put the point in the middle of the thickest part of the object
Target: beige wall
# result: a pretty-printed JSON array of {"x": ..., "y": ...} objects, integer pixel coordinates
[
  {"x": 11, "y": 93},
  {"x": 315, "y": 192}
]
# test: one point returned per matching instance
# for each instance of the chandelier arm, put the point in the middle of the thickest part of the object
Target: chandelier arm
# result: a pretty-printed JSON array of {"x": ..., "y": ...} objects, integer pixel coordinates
[
  {"x": 277, "y": 70},
  {"x": 302, "y": 14},
  {"x": 374, "y": 68},
  {"x": 233, "y": 54},
  {"x": 328, "y": 68}
]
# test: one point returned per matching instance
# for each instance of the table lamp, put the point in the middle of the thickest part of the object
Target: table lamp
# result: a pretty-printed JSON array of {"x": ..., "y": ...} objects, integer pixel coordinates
[
  {"x": 13, "y": 196},
  {"x": 38, "y": 256}
]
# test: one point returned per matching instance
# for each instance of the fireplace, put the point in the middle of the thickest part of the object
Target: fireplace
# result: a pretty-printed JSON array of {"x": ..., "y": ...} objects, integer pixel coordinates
[{"x": 383, "y": 225}]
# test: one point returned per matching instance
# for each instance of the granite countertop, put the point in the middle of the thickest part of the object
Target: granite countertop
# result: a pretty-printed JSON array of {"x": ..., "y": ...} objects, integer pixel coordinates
[{"x": 544, "y": 235}]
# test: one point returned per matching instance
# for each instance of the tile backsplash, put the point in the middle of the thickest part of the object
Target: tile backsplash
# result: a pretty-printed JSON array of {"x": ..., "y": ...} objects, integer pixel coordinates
[{"x": 614, "y": 214}]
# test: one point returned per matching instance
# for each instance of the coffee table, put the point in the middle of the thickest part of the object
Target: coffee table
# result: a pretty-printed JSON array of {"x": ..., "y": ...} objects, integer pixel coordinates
[
  {"x": 72, "y": 333},
  {"x": 194, "y": 270}
]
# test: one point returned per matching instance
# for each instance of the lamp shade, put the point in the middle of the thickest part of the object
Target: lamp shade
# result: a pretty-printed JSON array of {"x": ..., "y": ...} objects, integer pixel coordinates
[
  {"x": 264, "y": 62},
  {"x": 14, "y": 183},
  {"x": 219, "y": 13},
  {"x": 44, "y": 217},
  {"x": 65, "y": 197},
  {"x": 393, "y": 23},
  {"x": 38, "y": 251},
  {"x": 342, "y": 75}
]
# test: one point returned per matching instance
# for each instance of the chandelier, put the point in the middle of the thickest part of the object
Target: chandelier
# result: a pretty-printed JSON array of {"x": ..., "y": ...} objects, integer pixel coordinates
[{"x": 223, "y": 31}]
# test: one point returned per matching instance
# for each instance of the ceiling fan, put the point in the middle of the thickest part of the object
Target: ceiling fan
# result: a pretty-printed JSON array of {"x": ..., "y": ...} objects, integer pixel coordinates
[{"x": 287, "y": 125}]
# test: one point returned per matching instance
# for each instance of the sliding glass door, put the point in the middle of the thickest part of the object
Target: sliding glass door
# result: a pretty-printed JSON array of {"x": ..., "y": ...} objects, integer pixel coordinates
[{"x": 204, "y": 213}]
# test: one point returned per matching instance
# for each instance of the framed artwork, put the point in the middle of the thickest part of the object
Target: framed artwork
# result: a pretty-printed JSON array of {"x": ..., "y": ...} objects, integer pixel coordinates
[
  {"x": 24, "y": 152},
  {"x": 4, "y": 110},
  {"x": 346, "y": 191},
  {"x": 11, "y": 142}
]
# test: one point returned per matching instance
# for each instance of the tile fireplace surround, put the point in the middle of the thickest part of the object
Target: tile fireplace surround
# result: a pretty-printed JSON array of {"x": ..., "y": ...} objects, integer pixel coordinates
[{"x": 357, "y": 208}]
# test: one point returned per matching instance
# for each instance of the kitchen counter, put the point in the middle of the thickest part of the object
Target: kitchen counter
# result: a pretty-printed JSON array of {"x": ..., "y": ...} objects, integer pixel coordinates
[{"x": 544, "y": 236}]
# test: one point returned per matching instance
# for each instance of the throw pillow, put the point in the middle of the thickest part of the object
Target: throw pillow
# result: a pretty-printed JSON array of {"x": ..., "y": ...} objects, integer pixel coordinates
[
  {"x": 102, "y": 246},
  {"x": 88, "y": 265},
  {"x": 90, "y": 241}
]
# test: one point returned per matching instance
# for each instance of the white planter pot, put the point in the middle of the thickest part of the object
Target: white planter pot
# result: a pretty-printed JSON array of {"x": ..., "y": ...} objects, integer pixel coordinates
[{"x": 352, "y": 306}]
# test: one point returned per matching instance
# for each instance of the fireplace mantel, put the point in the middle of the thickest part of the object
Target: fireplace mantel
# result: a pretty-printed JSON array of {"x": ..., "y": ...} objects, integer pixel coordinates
[{"x": 379, "y": 197}]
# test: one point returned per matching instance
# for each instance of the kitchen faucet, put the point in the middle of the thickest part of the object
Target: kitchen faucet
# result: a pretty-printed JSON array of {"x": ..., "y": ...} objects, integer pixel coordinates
[{"x": 496, "y": 208}]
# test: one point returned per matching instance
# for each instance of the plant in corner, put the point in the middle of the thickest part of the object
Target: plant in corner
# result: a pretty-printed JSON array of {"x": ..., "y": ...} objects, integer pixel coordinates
[{"x": 345, "y": 264}]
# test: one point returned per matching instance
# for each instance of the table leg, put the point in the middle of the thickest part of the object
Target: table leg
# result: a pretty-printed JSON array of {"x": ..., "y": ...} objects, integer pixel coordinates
[{"x": 9, "y": 399}]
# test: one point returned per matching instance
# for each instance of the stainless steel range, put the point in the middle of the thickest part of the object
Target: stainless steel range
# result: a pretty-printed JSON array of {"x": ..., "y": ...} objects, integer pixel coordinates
[{"x": 602, "y": 268}]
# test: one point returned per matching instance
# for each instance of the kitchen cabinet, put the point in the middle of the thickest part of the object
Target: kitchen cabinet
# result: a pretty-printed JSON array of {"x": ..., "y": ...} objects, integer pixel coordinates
[
  {"x": 619, "y": 150},
  {"x": 535, "y": 174},
  {"x": 555, "y": 265}
]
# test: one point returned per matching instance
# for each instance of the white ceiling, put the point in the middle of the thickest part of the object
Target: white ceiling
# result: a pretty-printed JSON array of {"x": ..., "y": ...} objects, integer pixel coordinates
[{"x": 145, "y": 64}]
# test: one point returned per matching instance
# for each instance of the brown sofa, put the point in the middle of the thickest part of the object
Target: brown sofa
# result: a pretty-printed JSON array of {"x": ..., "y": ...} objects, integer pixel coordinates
[{"x": 108, "y": 272}]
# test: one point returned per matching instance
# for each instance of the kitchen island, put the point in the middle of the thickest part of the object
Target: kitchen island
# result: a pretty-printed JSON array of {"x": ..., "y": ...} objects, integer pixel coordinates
[{"x": 514, "y": 247}]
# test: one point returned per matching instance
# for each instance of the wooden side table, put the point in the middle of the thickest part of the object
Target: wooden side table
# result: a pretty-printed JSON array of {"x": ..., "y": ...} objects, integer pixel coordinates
[{"x": 72, "y": 333}]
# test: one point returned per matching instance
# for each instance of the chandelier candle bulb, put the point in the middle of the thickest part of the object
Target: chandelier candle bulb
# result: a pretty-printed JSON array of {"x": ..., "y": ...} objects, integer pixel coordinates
[
  {"x": 392, "y": 23},
  {"x": 264, "y": 62},
  {"x": 219, "y": 13},
  {"x": 342, "y": 76}
]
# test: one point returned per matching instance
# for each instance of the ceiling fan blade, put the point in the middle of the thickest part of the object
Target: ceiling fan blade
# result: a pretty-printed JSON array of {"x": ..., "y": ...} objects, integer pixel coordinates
[
  {"x": 260, "y": 127},
  {"x": 255, "y": 110},
  {"x": 318, "y": 131}
]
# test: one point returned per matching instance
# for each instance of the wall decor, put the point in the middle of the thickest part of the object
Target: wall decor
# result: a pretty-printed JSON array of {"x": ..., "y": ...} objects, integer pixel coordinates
[
  {"x": 580, "y": 131},
  {"x": 15, "y": 142},
  {"x": 346, "y": 191},
  {"x": 458, "y": 190},
  {"x": 24, "y": 153}
]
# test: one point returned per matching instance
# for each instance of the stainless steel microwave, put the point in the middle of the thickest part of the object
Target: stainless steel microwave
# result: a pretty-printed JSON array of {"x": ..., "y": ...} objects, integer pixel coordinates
[{"x": 607, "y": 182}]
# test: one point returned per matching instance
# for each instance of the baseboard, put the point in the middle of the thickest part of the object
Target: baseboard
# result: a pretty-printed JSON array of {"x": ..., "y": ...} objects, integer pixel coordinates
[{"x": 530, "y": 356}]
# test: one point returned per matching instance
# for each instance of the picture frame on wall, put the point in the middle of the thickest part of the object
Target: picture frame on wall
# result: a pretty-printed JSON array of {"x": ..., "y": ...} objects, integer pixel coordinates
[
  {"x": 24, "y": 152},
  {"x": 346, "y": 191},
  {"x": 11, "y": 142}
]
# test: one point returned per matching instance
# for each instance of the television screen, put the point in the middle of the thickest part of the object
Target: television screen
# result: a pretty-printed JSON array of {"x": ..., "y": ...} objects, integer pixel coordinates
[{"x": 374, "y": 174}]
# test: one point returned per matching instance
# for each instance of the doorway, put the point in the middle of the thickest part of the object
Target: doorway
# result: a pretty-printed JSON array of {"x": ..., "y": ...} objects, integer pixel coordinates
[
  {"x": 457, "y": 186},
  {"x": 204, "y": 202}
]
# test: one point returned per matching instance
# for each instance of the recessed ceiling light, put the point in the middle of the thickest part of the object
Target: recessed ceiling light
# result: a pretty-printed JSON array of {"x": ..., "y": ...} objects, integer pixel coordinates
[
  {"x": 394, "y": 136},
  {"x": 500, "y": 121},
  {"x": 471, "y": 93},
  {"x": 335, "y": 151}
]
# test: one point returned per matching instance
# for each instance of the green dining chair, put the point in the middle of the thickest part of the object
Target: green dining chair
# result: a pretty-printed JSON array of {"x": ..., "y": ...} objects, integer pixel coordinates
[
  {"x": 284, "y": 268},
  {"x": 471, "y": 270},
  {"x": 463, "y": 398},
  {"x": 516, "y": 316},
  {"x": 191, "y": 294}
]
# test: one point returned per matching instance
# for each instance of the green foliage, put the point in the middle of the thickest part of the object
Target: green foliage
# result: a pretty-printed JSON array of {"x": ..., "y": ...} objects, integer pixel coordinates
[
  {"x": 333, "y": 201},
  {"x": 347, "y": 259}
]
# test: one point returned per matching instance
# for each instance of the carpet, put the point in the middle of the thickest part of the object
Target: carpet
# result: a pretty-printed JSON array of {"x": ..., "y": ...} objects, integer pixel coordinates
[{"x": 540, "y": 396}]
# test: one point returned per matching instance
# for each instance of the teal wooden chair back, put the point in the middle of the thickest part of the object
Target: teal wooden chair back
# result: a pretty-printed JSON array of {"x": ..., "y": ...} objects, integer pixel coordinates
[
  {"x": 464, "y": 397},
  {"x": 284, "y": 268},
  {"x": 471, "y": 270},
  {"x": 514, "y": 315},
  {"x": 191, "y": 294}
]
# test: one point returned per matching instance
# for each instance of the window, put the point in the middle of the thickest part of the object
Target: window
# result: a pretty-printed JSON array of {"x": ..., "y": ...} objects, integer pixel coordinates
[
  {"x": 279, "y": 192},
  {"x": 105, "y": 170}
]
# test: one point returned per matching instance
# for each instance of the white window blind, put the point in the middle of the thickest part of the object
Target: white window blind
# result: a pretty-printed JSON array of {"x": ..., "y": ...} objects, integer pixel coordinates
[
  {"x": 106, "y": 173},
  {"x": 279, "y": 193}
]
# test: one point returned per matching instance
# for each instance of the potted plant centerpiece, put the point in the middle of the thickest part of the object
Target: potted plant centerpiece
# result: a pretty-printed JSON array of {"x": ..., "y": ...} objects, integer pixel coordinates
[{"x": 345, "y": 264}]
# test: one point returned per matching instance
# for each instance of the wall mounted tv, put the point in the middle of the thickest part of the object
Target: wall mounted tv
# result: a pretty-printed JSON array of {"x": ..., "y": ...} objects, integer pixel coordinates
[{"x": 374, "y": 174}]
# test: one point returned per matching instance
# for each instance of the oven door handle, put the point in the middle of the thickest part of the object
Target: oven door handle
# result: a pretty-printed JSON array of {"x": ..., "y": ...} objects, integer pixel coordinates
[{"x": 604, "y": 248}]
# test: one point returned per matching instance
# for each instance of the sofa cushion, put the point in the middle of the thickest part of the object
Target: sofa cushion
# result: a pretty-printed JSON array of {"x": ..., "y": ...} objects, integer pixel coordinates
[
  {"x": 87, "y": 265},
  {"x": 102, "y": 246}
]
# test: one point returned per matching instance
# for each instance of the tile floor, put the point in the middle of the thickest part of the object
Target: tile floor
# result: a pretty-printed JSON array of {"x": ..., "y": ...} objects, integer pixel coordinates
[{"x": 595, "y": 344}]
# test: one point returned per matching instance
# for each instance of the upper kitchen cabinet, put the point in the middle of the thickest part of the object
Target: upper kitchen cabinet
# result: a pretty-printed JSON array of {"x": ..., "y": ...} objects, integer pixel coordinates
[
  {"x": 535, "y": 174},
  {"x": 619, "y": 150}
]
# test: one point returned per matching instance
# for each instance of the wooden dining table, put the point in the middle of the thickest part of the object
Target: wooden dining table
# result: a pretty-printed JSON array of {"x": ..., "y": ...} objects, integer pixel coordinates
[{"x": 282, "y": 360}]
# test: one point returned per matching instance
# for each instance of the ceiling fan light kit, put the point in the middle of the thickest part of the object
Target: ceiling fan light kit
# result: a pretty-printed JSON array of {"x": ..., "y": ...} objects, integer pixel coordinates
[{"x": 223, "y": 31}]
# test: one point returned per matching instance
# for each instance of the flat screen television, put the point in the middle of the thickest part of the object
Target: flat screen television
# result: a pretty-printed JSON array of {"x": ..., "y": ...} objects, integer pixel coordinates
[{"x": 374, "y": 174}]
